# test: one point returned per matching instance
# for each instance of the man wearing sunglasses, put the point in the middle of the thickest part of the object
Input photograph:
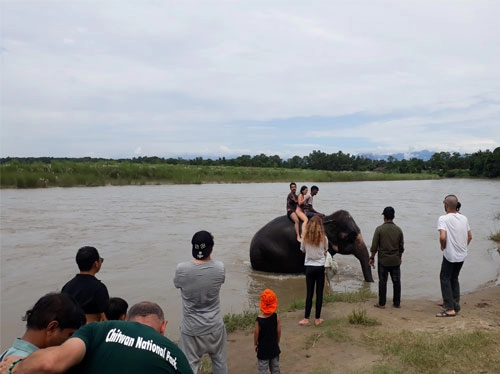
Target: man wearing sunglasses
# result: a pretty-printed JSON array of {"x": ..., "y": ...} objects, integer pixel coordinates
[{"x": 88, "y": 291}]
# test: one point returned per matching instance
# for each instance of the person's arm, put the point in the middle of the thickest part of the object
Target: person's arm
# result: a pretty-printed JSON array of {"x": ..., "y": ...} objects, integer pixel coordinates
[
  {"x": 256, "y": 336},
  {"x": 57, "y": 359},
  {"x": 374, "y": 247},
  {"x": 301, "y": 200},
  {"x": 310, "y": 207},
  {"x": 289, "y": 202},
  {"x": 101, "y": 297},
  {"x": 442, "y": 239},
  {"x": 177, "y": 278},
  {"x": 279, "y": 329},
  {"x": 401, "y": 247},
  {"x": 7, "y": 361},
  {"x": 469, "y": 237}
]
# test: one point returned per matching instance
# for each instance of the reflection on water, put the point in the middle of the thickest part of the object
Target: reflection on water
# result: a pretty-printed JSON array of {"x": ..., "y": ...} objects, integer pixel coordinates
[
  {"x": 293, "y": 287},
  {"x": 144, "y": 231}
]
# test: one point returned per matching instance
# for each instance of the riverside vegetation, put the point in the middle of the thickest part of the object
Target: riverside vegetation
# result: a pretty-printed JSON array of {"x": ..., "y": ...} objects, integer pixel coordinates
[
  {"x": 100, "y": 173},
  {"x": 30, "y": 172}
]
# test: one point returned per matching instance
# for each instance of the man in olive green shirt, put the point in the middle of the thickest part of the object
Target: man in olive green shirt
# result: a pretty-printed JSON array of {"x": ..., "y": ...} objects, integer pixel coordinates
[{"x": 388, "y": 241}]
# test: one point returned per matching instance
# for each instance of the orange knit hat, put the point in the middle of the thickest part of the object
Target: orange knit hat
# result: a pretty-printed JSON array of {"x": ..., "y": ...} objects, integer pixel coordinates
[{"x": 268, "y": 301}]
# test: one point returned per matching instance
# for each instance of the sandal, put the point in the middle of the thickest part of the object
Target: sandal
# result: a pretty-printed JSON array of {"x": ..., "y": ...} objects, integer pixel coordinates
[
  {"x": 379, "y": 306},
  {"x": 318, "y": 321},
  {"x": 304, "y": 322},
  {"x": 444, "y": 314}
]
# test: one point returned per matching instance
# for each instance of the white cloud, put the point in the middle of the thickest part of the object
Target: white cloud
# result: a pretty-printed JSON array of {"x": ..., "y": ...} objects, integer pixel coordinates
[{"x": 421, "y": 74}]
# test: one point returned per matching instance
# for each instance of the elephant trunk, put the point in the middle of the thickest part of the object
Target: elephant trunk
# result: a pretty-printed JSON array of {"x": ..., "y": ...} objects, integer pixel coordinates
[{"x": 364, "y": 257}]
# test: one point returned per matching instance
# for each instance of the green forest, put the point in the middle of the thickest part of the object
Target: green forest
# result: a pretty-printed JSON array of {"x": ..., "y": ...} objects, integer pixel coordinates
[{"x": 34, "y": 172}]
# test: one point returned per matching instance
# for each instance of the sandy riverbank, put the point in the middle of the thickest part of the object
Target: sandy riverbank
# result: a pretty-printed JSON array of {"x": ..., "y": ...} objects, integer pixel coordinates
[{"x": 305, "y": 349}]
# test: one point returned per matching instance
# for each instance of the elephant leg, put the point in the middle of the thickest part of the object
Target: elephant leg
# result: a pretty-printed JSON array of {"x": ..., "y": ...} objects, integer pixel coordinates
[{"x": 362, "y": 255}]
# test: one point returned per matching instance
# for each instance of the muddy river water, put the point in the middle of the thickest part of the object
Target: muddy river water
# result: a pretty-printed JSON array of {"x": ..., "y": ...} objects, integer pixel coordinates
[{"x": 144, "y": 231}]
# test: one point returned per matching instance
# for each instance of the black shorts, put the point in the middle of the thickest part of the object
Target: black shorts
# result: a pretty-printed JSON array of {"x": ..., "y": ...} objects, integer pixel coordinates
[
  {"x": 309, "y": 214},
  {"x": 289, "y": 213}
]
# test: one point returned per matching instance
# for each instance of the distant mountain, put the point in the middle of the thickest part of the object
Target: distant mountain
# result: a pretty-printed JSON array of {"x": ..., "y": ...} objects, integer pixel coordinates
[{"x": 422, "y": 155}]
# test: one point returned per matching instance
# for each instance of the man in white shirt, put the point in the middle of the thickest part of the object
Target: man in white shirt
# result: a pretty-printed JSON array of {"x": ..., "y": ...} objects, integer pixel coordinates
[{"x": 454, "y": 237}]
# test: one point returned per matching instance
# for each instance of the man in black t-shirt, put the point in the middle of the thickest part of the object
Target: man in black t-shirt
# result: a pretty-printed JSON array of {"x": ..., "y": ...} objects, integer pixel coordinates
[{"x": 88, "y": 291}]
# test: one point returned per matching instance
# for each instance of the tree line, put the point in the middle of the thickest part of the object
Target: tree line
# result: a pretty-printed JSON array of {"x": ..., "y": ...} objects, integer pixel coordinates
[{"x": 479, "y": 164}]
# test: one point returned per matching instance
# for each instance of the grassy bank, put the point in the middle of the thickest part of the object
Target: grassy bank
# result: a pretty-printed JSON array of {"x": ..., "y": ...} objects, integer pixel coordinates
[
  {"x": 246, "y": 319},
  {"x": 364, "y": 339},
  {"x": 496, "y": 236},
  {"x": 102, "y": 173},
  {"x": 413, "y": 351}
]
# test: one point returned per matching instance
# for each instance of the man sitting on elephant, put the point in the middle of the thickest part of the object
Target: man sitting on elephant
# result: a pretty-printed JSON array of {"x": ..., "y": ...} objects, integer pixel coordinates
[
  {"x": 291, "y": 207},
  {"x": 308, "y": 204}
]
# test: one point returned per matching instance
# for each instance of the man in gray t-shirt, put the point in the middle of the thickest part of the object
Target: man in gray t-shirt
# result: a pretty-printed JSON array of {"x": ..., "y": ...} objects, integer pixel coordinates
[{"x": 202, "y": 327}]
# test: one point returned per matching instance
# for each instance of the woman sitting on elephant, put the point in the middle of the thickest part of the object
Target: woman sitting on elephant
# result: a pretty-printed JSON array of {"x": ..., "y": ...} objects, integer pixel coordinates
[
  {"x": 303, "y": 197},
  {"x": 314, "y": 245}
]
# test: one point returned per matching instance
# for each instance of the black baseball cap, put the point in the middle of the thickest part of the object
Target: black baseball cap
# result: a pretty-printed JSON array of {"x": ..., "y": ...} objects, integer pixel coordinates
[{"x": 388, "y": 212}]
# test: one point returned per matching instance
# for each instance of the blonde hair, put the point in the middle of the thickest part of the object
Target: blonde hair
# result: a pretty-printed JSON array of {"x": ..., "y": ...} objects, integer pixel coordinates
[{"x": 315, "y": 232}]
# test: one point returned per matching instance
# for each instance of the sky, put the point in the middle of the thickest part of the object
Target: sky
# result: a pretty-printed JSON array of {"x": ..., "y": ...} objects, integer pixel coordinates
[{"x": 127, "y": 78}]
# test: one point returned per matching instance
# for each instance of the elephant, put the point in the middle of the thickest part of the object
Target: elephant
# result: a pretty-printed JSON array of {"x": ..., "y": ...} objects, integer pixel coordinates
[{"x": 274, "y": 248}]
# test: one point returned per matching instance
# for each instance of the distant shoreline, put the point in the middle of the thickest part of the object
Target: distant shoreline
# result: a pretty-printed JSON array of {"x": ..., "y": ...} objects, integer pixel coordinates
[{"x": 93, "y": 174}]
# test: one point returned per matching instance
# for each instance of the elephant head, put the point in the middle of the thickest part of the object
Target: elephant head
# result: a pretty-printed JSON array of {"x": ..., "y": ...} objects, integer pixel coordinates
[
  {"x": 343, "y": 232},
  {"x": 274, "y": 248}
]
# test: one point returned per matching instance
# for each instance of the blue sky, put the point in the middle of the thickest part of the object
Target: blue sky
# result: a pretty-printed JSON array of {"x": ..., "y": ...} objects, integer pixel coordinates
[{"x": 163, "y": 78}]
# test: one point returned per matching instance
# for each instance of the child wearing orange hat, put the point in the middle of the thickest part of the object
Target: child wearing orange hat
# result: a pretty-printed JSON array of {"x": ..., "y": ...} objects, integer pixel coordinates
[{"x": 267, "y": 334}]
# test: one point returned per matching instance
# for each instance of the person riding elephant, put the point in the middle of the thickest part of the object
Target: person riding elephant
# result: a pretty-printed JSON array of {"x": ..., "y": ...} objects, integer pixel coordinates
[{"x": 274, "y": 248}]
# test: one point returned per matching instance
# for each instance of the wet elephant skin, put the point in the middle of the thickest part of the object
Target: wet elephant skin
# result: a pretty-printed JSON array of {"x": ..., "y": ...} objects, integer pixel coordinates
[{"x": 274, "y": 248}]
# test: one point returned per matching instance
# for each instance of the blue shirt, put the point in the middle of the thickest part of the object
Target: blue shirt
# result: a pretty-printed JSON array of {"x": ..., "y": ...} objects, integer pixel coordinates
[{"x": 19, "y": 348}]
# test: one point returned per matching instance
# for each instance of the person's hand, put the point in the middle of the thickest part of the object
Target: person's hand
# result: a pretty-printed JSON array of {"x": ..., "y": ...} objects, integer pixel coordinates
[
  {"x": 371, "y": 262},
  {"x": 5, "y": 365}
]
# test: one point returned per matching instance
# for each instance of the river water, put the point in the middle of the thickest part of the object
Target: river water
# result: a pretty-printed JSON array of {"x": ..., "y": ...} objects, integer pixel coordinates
[{"x": 144, "y": 231}]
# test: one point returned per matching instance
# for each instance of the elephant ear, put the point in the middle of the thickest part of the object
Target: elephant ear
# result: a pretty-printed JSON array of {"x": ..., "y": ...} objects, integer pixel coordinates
[{"x": 340, "y": 227}]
